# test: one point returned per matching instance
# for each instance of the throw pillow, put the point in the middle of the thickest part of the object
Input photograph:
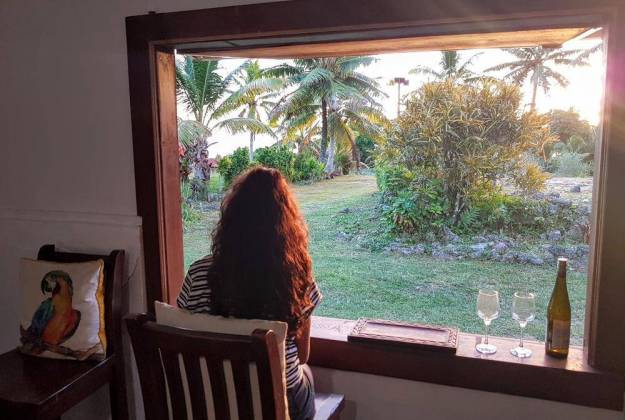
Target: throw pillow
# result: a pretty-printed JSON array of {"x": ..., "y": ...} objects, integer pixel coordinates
[{"x": 62, "y": 309}]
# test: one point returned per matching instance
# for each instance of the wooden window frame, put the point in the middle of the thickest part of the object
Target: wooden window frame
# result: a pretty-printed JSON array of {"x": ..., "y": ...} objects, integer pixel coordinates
[{"x": 151, "y": 40}]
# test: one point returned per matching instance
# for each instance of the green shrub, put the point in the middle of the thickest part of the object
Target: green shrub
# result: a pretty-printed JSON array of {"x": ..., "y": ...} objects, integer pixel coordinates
[
  {"x": 572, "y": 131},
  {"x": 419, "y": 210},
  {"x": 365, "y": 145},
  {"x": 233, "y": 165},
  {"x": 279, "y": 157},
  {"x": 530, "y": 178},
  {"x": 571, "y": 164},
  {"x": 393, "y": 179},
  {"x": 500, "y": 212},
  {"x": 414, "y": 205},
  {"x": 215, "y": 184},
  {"x": 343, "y": 162},
  {"x": 307, "y": 168},
  {"x": 462, "y": 134},
  {"x": 189, "y": 214}
]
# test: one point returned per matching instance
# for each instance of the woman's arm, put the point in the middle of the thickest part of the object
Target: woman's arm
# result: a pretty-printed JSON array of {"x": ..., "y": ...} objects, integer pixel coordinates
[{"x": 302, "y": 341}]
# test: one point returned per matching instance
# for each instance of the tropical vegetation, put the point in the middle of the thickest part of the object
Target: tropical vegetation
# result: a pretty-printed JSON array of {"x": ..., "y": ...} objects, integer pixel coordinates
[
  {"x": 537, "y": 65},
  {"x": 462, "y": 174},
  {"x": 451, "y": 66}
]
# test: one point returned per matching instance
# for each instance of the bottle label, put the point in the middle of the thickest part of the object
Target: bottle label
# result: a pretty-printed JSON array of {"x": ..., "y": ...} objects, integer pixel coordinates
[{"x": 560, "y": 334}]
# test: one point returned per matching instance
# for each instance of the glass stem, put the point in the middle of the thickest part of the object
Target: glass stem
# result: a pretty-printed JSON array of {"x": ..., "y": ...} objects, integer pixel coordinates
[
  {"x": 521, "y": 343},
  {"x": 486, "y": 336}
]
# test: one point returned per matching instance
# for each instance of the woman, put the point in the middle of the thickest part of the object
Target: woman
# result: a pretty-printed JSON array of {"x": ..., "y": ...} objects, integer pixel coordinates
[{"x": 260, "y": 268}]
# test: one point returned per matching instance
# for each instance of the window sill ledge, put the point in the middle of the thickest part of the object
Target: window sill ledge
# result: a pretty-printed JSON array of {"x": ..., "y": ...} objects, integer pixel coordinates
[{"x": 570, "y": 380}]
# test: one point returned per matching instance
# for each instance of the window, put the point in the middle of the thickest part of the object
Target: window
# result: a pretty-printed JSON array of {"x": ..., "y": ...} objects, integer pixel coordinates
[
  {"x": 158, "y": 203},
  {"x": 390, "y": 248}
]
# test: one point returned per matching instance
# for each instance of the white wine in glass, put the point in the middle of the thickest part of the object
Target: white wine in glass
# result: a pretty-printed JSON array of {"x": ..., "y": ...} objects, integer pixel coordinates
[
  {"x": 523, "y": 310},
  {"x": 488, "y": 310}
]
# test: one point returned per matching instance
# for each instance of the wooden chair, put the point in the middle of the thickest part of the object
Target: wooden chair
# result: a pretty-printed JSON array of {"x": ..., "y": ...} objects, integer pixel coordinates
[
  {"x": 42, "y": 389},
  {"x": 169, "y": 361}
]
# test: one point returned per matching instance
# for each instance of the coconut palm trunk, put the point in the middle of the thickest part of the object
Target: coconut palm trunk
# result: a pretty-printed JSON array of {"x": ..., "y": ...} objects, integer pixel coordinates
[
  {"x": 534, "y": 91},
  {"x": 330, "y": 160},
  {"x": 324, "y": 129},
  {"x": 252, "y": 138},
  {"x": 355, "y": 151}
]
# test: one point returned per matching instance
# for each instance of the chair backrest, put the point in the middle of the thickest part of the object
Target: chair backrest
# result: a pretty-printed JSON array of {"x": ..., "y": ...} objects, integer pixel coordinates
[
  {"x": 190, "y": 372},
  {"x": 113, "y": 280}
]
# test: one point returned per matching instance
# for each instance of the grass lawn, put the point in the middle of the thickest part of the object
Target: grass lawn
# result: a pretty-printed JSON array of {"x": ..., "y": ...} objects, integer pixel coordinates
[{"x": 358, "y": 282}]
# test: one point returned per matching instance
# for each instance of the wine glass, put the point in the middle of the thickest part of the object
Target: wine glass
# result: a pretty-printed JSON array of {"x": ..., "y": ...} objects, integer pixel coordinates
[
  {"x": 523, "y": 311},
  {"x": 487, "y": 309}
]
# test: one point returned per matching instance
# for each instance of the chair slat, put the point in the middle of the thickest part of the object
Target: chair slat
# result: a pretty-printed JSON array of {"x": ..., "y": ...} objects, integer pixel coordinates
[
  {"x": 196, "y": 386},
  {"x": 174, "y": 383},
  {"x": 218, "y": 388},
  {"x": 241, "y": 374},
  {"x": 271, "y": 387}
]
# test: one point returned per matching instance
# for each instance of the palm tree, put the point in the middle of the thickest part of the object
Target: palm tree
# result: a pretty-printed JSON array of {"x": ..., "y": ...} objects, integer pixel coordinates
[
  {"x": 350, "y": 118},
  {"x": 302, "y": 129},
  {"x": 253, "y": 97},
  {"x": 450, "y": 67},
  {"x": 326, "y": 82},
  {"x": 199, "y": 86},
  {"x": 536, "y": 64}
]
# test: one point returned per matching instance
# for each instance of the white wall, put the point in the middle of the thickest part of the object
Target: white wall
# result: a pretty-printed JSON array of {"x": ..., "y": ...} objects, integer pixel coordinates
[
  {"x": 370, "y": 397},
  {"x": 67, "y": 177}
]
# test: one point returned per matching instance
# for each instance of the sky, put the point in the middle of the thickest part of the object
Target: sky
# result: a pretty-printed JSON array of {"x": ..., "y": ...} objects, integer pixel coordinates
[{"x": 584, "y": 93}]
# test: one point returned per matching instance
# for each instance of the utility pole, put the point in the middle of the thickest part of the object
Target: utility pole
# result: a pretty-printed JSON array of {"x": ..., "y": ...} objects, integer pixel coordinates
[{"x": 399, "y": 81}]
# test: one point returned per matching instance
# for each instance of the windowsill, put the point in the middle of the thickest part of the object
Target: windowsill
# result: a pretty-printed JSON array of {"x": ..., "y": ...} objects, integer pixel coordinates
[{"x": 568, "y": 380}]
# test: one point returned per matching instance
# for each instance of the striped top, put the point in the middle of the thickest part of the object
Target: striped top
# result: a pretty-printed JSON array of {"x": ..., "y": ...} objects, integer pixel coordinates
[{"x": 195, "y": 296}]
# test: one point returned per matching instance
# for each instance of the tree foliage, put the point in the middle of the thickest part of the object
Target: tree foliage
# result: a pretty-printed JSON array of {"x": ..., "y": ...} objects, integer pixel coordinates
[
  {"x": 538, "y": 64},
  {"x": 466, "y": 136},
  {"x": 366, "y": 147},
  {"x": 231, "y": 166},
  {"x": 450, "y": 67},
  {"x": 279, "y": 157},
  {"x": 252, "y": 99},
  {"x": 574, "y": 134},
  {"x": 199, "y": 86},
  {"x": 321, "y": 86}
]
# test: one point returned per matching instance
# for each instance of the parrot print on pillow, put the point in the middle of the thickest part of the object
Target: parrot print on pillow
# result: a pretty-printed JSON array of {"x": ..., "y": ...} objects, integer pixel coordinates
[{"x": 55, "y": 320}]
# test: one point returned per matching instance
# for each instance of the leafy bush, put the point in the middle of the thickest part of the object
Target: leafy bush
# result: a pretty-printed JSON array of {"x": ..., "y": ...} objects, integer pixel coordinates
[
  {"x": 393, "y": 179},
  {"x": 530, "y": 178},
  {"x": 502, "y": 212},
  {"x": 279, "y": 157},
  {"x": 462, "y": 136},
  {"x": 419, "y": 210},
  {"x": 306, "y": 167},
  {"x": 233, "y": 165},
  {"x": 343, "y": 162},
  {"x": 414, "y": 205},
  {"x": 365, "y": 145},
  {"x": 571, "y": 164},
  {"x": 199, "y": 189},
  {"x": 189, "y": 214},
  {"x": 302, "y": 167},
  {"x": 571, "y": 130}
]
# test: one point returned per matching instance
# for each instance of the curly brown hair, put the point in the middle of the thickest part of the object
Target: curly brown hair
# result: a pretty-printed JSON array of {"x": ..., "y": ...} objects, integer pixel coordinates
[{"x": 260, "y": 262}]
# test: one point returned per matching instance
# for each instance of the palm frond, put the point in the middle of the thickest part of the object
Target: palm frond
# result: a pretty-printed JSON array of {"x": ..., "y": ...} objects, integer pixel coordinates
[
  {"x": 191, "y": 132},
  {"x": 428, "y": 71},
  {"x": 243, "y": 124}
]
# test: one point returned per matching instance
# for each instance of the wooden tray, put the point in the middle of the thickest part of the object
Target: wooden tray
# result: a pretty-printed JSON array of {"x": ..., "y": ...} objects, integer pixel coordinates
[{"x": 405, "y": 334}]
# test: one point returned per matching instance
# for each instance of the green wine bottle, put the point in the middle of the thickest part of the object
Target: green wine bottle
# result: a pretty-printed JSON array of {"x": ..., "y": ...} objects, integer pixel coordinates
[{"x": 559, "y": 316}]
